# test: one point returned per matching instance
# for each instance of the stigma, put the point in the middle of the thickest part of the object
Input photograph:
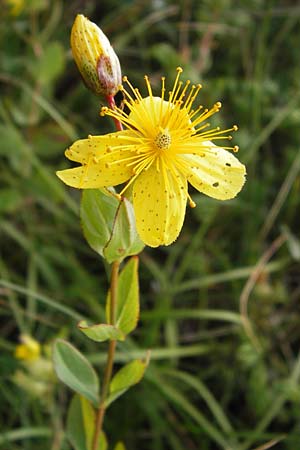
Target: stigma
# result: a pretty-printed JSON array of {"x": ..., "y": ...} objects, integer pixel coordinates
[{"x": 163, "y": 140}]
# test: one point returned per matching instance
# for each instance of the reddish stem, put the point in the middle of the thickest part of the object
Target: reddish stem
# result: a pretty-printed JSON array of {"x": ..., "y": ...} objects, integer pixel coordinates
[{"x": 112, "y": 104}]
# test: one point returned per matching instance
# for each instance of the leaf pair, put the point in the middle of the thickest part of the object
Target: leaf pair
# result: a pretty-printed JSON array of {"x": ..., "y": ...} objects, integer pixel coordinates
[
  {"x": 109, "y": 225},
  {"x": 73, "y": 369}
]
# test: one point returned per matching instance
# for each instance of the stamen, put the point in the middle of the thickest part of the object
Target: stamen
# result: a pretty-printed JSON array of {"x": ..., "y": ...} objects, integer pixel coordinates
[
  {"x": 134, "y": 90},
  {"x": 163, "y": 90},
  {"x": 179, "y": 72},
  {"x": 187, "y": 83},
  {"x": 147, "y": 163},
  {"x": 191, "y": 99},
  {"x": 207, "y": 113},
  {"x": 131, "y": 100},
  {"x": 148, "y": 84},
  {"x": 179, "y": 86}
]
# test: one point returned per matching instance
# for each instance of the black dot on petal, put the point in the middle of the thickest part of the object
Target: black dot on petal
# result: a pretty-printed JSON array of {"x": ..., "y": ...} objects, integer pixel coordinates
[
  {"x": 216, "y": 184},
  {"x": 228, "y": 164}
]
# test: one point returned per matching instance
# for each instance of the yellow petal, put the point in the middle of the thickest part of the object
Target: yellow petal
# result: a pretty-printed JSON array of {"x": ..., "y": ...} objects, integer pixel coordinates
[
  {"x": 216, "y": 172},
  {"x": 110, "y": 170},
  {"x": 97, "y": 146},
  {"x": 159, "y": 200}
]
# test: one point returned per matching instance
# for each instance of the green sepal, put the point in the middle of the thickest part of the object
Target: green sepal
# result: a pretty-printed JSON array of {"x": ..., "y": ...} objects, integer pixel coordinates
[
  {"x": 101, "y": 332},
  {"x": 128, "y": 305},
  {"x": 128, "y": 376},
  {"x": 73, "y": 369},
  {"x": 81, "y": 425}
]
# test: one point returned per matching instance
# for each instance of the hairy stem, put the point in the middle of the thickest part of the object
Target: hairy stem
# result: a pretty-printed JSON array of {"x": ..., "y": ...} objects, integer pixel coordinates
[{"x": 110, "y": 356}]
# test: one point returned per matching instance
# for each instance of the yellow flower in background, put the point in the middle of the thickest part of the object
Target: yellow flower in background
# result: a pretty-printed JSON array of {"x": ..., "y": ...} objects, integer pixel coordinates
[
  {"x": 166, "y": 145},
  {"x": 95, "y": 58},
  {"x": 16, "y": 6},
  {"x": 29, "y": 350}
]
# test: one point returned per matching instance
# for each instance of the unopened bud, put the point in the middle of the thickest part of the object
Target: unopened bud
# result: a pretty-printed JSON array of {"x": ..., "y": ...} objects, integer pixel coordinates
[{"x": 95, "y": 58}]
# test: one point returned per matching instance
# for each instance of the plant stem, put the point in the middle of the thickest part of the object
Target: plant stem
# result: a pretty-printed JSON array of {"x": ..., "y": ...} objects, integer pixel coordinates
[
  {"x": 110, "y": 355},
  {"x": 111, "y": 103}
]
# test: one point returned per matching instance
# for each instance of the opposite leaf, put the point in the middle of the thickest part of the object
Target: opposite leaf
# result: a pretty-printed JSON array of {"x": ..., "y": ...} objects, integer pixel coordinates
[
  {"x": 101, "y": 332},
  {"x": 97, "y": 212},
  {"x": 128, "y": 307},
  {"x": 128, "y": 376},
  {"x": 81, "y": 425},
  {"x": 73, "y": 369},
  {"x": 124, "y": 240}
]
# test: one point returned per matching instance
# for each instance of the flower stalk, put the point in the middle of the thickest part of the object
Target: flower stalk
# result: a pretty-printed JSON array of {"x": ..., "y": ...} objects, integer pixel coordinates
[
  {"x": 110, "y": 356},
  {"x": 112, "y": 105}
]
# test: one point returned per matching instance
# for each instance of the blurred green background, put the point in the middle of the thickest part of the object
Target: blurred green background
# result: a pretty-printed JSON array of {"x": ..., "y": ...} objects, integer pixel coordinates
[{"x": 216, "y": 380}]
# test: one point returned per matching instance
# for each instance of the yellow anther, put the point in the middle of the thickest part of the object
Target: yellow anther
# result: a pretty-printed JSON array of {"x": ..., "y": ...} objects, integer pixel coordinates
[
  {"x": 179, "y": 69},
  {"x": 235, "y": 127},
  {"x": 236, "y": 148}
]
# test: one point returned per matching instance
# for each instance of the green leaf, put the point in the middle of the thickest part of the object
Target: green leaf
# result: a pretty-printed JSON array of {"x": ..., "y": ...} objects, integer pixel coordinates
[
  {"x": 73, "y": 369},
  {"x": 124, "y": 240},
  {"x": 97, "y": 212},
  {"x": 51, "y": 63},
  {"x": 128, "y": 376},
  {"x": 81, "y": 425},
  {"x": 101, "y": 332},
  {"x": 128, "y": 308},
  {"x": 109, "y": 225}
]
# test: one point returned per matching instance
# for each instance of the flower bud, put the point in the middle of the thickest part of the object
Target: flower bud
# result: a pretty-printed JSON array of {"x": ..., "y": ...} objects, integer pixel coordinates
[{"x": 95, "y": 58}]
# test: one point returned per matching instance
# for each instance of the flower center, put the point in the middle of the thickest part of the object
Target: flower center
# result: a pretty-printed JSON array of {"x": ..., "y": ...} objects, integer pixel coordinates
[{"x": 163, "y": 140}]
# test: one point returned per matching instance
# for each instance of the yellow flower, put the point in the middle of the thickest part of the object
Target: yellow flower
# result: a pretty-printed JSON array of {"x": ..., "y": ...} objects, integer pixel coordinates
[
  {"x": 16, "y": 6},
  {"x": 166, "y": 145},
  {"x": 29, "y": 350},
  {"x": 95, "y": 57}
]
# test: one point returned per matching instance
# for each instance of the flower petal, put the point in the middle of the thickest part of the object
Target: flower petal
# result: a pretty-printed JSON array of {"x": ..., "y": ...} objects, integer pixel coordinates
[
  {"x": 112, "y": 169},
  {"x": 215, "y": 172},
  {"x": 97, "y": 146},
  {"x": 159, "y": 200}
]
